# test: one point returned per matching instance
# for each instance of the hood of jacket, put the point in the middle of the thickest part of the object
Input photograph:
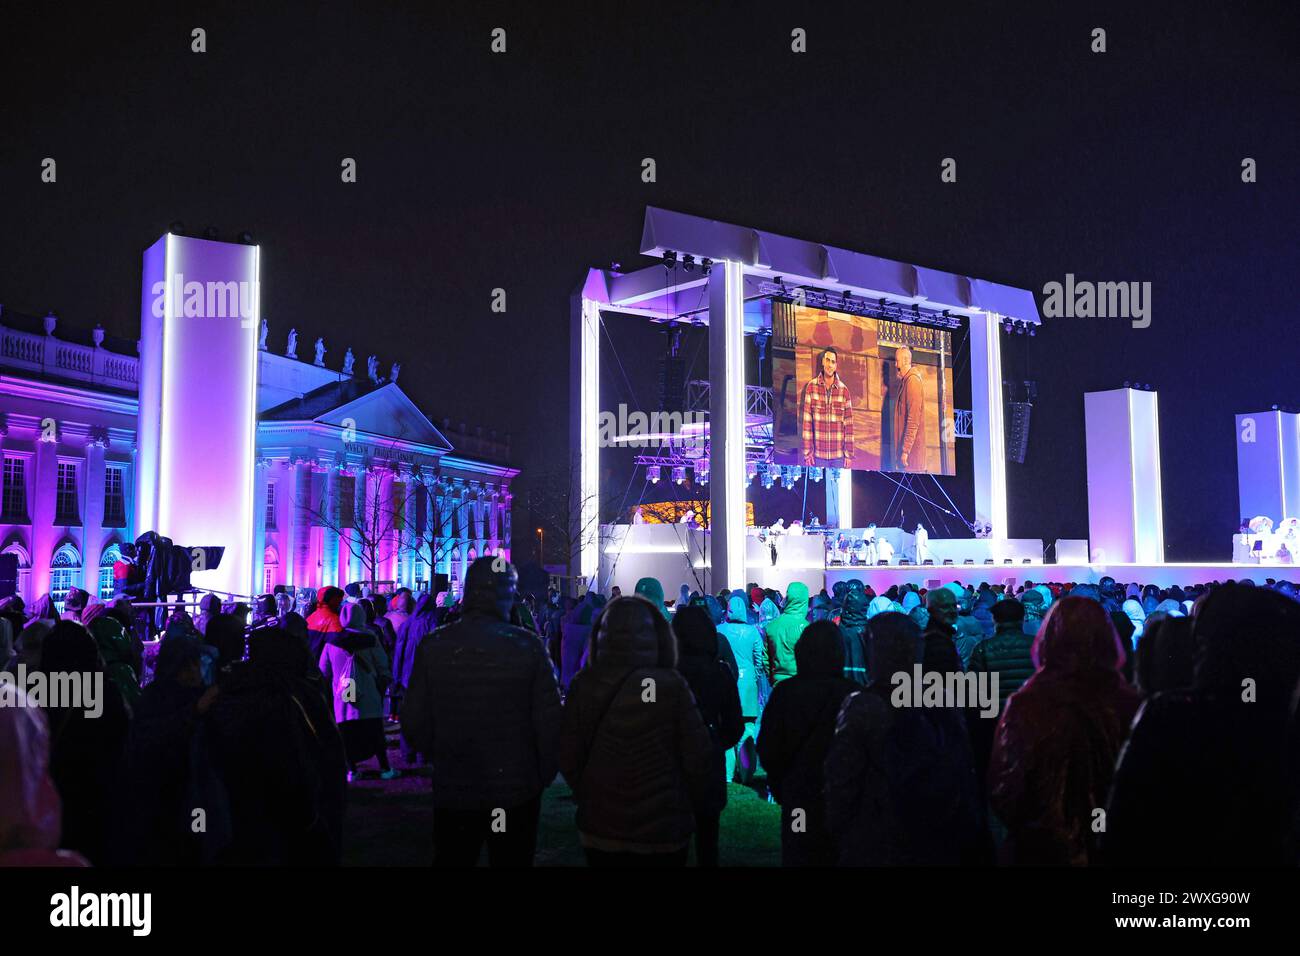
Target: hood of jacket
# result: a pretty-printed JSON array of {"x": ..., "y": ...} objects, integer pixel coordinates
[{"x": 796, "y": 601}]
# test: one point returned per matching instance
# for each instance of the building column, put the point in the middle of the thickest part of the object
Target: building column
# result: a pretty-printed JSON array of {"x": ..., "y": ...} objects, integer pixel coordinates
[
  {"x": 302, "y": 505},
  {"x": 92, "y": 513},
  {"x": 385, "y": 524},
  {"x": 42, "y": 486},
  {"x": 361, "y": 502},
  {"x": 330, "y": 508},
  {"x": 411, "y": 532},
  {"x": 261, "y": 481}
]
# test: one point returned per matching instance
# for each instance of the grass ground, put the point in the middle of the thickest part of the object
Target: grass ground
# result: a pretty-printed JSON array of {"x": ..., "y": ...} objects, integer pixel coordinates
[{"x": 390, "y": 823}]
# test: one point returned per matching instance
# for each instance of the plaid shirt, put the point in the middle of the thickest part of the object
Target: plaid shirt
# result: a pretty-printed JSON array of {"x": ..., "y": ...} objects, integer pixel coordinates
[{"x": 827, "y": 419}]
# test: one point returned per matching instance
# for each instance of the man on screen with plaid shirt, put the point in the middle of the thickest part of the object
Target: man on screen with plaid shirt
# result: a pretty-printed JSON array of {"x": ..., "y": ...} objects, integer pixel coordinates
[{"x": 827, "y": 417}]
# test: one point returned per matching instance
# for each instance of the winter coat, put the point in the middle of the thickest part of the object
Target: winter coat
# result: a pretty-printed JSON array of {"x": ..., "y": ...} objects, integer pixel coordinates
[
  {"x": 712, "y": 683},
  {"x": 799, "y": 723},
  {"x": 969, "y": 635},
  {"x": 357, "y": 670},
  {"x": 901, "y": 787},
  {"x": 483, "y": 706},
  {"x": 1237, "y": 753},
  {"x": 1059, "y": 736},
  {"x": 940, "y": 649},
  {"x": 747, "y": 647},
  {"x": 413, "y": 630},
  {"x": 1008, "y": 654},
  {"x": 854, "y": 629},
  {"x": 784, "y": 632},
  {"x": 638, "y": 771}
]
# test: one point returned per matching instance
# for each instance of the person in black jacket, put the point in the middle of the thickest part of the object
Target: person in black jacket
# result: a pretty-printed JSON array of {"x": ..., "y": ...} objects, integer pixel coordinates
[
  {"x": 1224, "y": 739},
  {"x": 797, "y": 729},
  {"x": 940, "y": 652},
  {"x": 484, "y": 707},
  {"x": 854, "y": 630},
  {"x": 713, "y": 683}
]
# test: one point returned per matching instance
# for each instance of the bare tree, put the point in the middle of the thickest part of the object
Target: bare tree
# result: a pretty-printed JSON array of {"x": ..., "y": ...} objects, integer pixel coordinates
[
  {"x": 557, "y": 505},
  {"x": 362, "y": 521}
]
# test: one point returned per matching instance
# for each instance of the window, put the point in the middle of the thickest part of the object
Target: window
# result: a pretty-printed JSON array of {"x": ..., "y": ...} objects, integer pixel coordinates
[
  {"x": 271, "y": 570},
  {"x": 106, "y": 562},
  {"x": 66, "y": 500},
  {"x": 15, "y": 490},
  {"x": 63, "y": 569},
  {"x": 270, "y": 506},
  {"x": 114, "y": 498}
]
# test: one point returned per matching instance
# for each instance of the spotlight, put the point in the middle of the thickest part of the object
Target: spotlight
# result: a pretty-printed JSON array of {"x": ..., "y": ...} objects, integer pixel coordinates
[
  {"x": 670, "y": 260},
  {"x": 702, "y": 471},
  {"x": 679, "y": 475},
  {"x": 246, "y": 238},
  {"x": 1033, "y": 330},
  {"x": 652, "y": 474},
  {"x": 210, "y": 233},
  {"x": 177, "y": 228},
  {"x": 815, "y": 474},
  {"x": 688, "y": 263},
  {"x": 1127, "y": 385},
  {"x": 751, "y": 469},
  {"x": 706, "y": 266}
]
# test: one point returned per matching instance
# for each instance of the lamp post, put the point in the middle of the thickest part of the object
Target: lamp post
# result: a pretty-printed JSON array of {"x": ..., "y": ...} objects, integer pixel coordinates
[{"x": 541, "y": 547}]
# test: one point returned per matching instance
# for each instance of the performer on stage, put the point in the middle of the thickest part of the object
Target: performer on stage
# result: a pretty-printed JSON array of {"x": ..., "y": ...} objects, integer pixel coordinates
[
  {"x": 827, "y": 426},
  {"x": 909, "y": 415},
  {"x": 871, "y": 553},
  {"x": 922, "y": 544},
  {"x": 884, "y": 551}
]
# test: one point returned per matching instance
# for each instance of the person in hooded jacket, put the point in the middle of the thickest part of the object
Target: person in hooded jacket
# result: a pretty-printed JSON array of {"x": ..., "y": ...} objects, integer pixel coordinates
[
  {"x": 86, "y": 742},
  {"x": 356, "y": 667},
  {"x": 783, "y": 633},
  {"x": 900, "y": 783},
  {"x": 30, "y": 810},
  {"x": 1056, "y": 743},
  {"x": 417, "y": 625},
  {"x": 115, "y": 649},
  {"x": 270, "y": 765},
  {"x": 796, "y": 734},
  {"x": 157, "y": 778},
  {"x": 634, "y": 746},
  {"x": 484, "y": 708},
  {"x": 854, "y": 630},
  {"x": 714, "y": 685},
  {"x": 1224, "y": 739},
  {"x": 750, "y": 653},
  {"x": 653, "y": 591},
  {"x": 324, "y": 620}
]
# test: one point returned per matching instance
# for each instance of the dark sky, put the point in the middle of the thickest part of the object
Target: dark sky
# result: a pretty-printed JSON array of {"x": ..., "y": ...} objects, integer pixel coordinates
[{"x": 520, "y": 170}]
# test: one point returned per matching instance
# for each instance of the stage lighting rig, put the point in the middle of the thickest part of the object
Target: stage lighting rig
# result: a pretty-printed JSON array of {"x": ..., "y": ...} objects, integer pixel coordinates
[
  {"x": 688, "y": 262},
  {"x": 706, "y": 267},
  {"x": 670, "y": 260}
]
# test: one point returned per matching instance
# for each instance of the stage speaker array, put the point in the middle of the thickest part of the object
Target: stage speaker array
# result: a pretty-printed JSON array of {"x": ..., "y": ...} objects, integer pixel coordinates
[
  {"x": 672, "y": 383},
  {"x": 1018, "y": 431}
]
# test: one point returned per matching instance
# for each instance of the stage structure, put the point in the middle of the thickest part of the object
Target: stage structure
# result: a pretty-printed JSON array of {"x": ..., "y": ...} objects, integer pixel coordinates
[{"x": 735, "y": 269}]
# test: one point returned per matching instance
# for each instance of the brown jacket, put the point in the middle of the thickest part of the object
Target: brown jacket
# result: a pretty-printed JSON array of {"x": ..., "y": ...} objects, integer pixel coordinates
[{"x": 909, "y": 422}]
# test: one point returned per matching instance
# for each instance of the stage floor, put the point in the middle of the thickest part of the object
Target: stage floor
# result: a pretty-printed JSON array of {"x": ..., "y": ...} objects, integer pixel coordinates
[{"x": 1161, "y": 575}]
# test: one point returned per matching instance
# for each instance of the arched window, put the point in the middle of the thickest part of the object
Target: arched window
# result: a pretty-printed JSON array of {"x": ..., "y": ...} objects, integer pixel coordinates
[
  {"x": 270, "y": 569},
  {"x": 64, "y": 569},
  {"x": 109, "y": 558},
  {"x": 24, "y": 569}
]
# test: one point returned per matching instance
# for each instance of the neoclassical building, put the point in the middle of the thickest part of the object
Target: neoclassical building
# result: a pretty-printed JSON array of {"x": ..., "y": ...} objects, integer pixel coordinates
[{"x": 353, "y": 481}]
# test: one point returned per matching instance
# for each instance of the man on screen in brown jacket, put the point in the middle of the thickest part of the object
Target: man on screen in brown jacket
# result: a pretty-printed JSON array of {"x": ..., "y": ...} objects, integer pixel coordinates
[{"x": 909, "y": 415}]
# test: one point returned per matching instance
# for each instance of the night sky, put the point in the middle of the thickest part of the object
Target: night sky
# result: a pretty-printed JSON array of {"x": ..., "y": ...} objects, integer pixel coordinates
[{"x": 519, "y": 171}]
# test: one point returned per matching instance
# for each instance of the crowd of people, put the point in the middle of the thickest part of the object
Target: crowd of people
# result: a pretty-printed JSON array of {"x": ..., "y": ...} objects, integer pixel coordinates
[{"x": 1130, "y": 725}]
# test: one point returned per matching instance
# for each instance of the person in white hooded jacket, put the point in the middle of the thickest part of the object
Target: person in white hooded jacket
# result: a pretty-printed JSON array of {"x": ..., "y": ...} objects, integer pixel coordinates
[{"x": 357, "y": 672}]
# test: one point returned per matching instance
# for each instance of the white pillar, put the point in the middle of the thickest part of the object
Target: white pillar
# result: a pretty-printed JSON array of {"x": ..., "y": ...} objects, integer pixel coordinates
[
  {"x": 1125, "y": 510},
  {"x": 987, "y": 428},
  {"x": 727, "y": 426},
  {"x": 585, "y": 399}
]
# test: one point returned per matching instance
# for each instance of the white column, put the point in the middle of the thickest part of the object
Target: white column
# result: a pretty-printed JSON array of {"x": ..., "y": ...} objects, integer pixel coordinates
[
  {"x": 261, "y": 475},
  {"x": 987, "y": 428},
  {"x": 584, "y": 366},
  {"x": 727, "y": 426},
  {"x": 1125, "y": 511}
]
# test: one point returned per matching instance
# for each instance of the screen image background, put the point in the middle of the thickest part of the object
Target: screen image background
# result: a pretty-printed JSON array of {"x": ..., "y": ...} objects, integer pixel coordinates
[{"x": 865, "y": 349}]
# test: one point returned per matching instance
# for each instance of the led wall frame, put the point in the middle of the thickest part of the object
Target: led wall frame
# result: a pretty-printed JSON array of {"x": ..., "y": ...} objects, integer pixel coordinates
[
  {"x": 987, "y": 430},
  {"x": 199, "y": 320}
]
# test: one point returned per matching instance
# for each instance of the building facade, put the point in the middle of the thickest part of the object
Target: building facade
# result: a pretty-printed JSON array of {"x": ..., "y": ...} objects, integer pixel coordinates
[{"x": 353, "y": 481}]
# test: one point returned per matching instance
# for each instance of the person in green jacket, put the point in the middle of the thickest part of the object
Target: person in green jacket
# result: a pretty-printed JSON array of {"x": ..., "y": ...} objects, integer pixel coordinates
[
  {"x": 114, "y": 647},
  {"x": 783, "y": 633}
]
